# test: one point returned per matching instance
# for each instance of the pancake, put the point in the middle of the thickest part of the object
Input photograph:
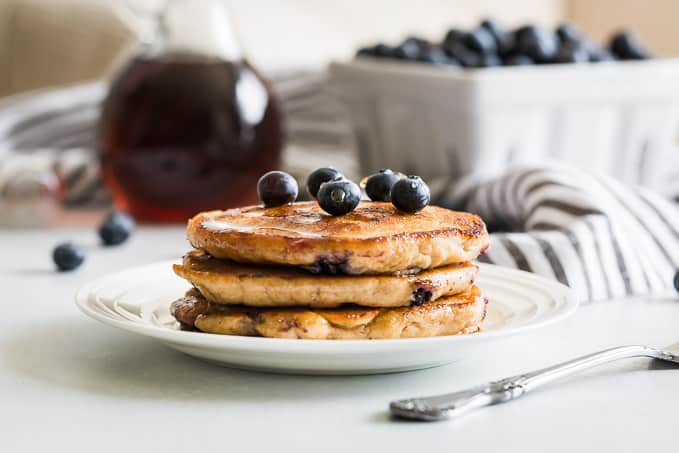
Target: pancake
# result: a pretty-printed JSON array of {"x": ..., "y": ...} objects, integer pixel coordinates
[
  {"x": 449, "y": 315},
  {"x": 375, "y": 238},
  {"x": 228, "y": 282}
]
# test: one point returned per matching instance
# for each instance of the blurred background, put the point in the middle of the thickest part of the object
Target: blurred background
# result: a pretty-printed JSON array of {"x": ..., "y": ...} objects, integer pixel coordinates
[
  {"x": 58, "y": 58},
  {"x": 47, "y": 43}
]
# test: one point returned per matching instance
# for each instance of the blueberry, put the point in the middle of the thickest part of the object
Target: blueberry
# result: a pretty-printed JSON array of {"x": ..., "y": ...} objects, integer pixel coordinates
[
  {"x": 410, "y": 194},
  {"x": 676, "y": 281},
  {"x": 626, "y": 46},
  {"x": 489, "y": 60},
  {"x": 339, "y": 197},
  {"x": 470, "y": 58},
  {"x": 598, "y": 54},
  {"x": 412, "y": 48},
  {"x": 320, "y": 176},
  {"x": 504, "y": 41},
  {"x": 481, "y": 41},
  {"x": 384, "y": 51},
  {"x": 467, "y": 57},
  {"x": 436, "y": 56},
  {"x": 568, "y": 33},
  {"x": 539, "y": 44},
  {"x": 407, "y": 50},
  {"x": 378, "y": 186},
  {"x": 277, "y": 188},
  {"x": 366, "y": 52},
  {"x": 517, "y": 59},
  {"x": 572, "y": 52},
  {"x": 116, "y": 228},
  {"x": 453, "y": 36},
  {"x": 415, "y": 41},
  {"x": 68, "y": 256}
]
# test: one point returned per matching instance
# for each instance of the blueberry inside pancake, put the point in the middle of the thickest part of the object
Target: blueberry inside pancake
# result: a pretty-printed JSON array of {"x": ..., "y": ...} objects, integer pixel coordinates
[
  {"x": 449, "y": 315},
  {"x": 228, "y": 282}
]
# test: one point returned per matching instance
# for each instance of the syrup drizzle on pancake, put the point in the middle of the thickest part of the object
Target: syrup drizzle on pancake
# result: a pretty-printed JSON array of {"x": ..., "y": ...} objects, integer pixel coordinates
[{"x": 220, "y": 225}]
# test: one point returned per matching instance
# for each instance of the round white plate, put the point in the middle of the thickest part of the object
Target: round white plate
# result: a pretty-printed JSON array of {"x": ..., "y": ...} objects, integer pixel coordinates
[{"x": 138, "y": 300}]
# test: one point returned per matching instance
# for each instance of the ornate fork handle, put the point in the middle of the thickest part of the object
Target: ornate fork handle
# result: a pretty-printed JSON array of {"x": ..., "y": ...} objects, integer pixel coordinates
[{"x": 458, "y": 403}]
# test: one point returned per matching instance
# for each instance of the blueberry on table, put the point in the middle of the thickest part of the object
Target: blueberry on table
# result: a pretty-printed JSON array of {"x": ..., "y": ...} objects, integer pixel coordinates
[
  {"x": 116, "y": 228},
  {"x": 568, "y": 33},
  {"x": 277, "y": 188},
  {"x": 517, "y": 59},
  {"x": 481, "y": 41},
  {"x": 68, "y": 256},
  {"x": 339, "y": 197},
  {"x": 626, "y": 46},
  {"x": 539, "y": 44},
  {"x": 572, "y": 52},
  {"x": 320, "y": 176},
  {"x": 676, "y": 281},
  {"x": 410, "y": 194},
  {"x": 378, "y": 186}
]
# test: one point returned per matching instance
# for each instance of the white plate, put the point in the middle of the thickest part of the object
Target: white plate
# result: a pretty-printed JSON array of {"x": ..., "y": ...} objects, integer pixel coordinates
[{"x": 138, "y": 300}]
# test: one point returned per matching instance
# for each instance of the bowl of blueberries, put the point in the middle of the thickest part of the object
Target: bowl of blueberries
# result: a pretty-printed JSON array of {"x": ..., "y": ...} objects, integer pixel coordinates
[{"x": 479, "y": 101}]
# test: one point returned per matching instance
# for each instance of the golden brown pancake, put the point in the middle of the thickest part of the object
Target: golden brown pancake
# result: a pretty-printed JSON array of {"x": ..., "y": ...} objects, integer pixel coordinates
[
  {"x": 375, "y": 238},
  {"x": 228, "y": 282},
  {"x": 449, "y": 315}
]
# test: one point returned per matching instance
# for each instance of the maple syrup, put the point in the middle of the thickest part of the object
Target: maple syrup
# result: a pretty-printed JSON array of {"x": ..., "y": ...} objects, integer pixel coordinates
[{"x": 188, "y": 127}]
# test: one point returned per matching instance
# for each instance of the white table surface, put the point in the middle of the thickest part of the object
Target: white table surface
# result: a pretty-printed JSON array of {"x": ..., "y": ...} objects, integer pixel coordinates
[{"x": 70, "y": 384}]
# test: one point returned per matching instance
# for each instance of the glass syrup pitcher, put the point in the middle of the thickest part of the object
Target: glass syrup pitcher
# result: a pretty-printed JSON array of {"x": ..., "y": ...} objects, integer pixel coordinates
[{"x": 188, "y": 123}]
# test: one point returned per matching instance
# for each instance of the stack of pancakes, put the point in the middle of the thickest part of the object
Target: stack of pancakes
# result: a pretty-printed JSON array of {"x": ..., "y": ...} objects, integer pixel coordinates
[{"x": 295, "y": 272}]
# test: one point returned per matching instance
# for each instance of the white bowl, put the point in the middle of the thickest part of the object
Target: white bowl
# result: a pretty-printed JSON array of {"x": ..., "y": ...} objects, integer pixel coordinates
[{"x": 616, "y": 117}]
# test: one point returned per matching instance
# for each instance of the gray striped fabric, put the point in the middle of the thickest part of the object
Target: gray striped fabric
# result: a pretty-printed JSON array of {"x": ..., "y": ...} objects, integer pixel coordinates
[{"x": 590, "y": 232}]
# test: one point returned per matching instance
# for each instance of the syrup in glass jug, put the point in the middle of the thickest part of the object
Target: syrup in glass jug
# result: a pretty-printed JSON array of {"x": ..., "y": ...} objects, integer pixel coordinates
[{"x": 188, "y": 124}]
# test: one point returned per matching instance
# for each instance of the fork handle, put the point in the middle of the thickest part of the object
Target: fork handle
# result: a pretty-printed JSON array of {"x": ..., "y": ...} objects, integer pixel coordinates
[{"x": 450, "y": 405}]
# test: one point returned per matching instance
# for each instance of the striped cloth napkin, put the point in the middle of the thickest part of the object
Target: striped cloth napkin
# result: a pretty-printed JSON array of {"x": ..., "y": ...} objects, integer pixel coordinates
[{"x": 588, "y": 231}]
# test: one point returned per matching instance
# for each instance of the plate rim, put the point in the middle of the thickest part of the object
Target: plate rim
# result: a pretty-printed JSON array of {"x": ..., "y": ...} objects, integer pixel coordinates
[{"x": 189, "y": 338}]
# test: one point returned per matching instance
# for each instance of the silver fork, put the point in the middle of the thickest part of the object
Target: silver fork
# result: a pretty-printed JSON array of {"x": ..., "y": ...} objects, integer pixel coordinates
[{"x": 455, "y": 404}]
